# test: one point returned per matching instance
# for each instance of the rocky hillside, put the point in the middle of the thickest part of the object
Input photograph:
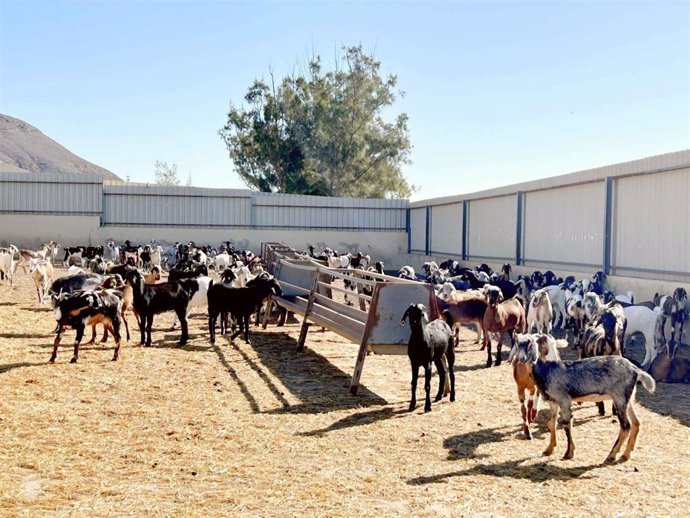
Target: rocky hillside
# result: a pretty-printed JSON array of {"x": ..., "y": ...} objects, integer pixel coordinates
[{"x": 24, "y": 149}]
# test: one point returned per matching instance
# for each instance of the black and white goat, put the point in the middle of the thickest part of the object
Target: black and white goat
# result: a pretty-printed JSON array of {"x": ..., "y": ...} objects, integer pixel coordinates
[
  {"x": 430, "y": 342},
  {"x": 88, "y": 308},
  {"x": 152, "y": 299}
]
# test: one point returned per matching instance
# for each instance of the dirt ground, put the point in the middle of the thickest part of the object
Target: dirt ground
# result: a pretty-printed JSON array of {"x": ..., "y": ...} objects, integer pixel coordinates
[{"x": 261, "y": 430}]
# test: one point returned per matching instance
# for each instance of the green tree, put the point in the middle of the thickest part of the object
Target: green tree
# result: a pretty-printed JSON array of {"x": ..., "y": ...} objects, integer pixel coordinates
[
  {"x": 166, "y": 174},
  {"x": 322, "y": 132}
]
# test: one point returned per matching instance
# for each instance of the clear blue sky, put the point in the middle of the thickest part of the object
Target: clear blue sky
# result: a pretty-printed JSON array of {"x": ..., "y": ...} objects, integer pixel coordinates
[{"x": 496, "y": 92}]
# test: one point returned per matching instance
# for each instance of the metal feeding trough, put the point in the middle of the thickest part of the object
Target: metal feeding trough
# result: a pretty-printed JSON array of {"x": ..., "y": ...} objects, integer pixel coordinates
[{"x": 308, "y": 290}]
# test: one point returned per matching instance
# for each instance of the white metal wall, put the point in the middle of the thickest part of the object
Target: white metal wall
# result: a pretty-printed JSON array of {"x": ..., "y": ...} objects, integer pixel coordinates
[
  {"x": 446, "y": 229},
  {"x": 175, "y": 206},
  {"x": 296, "y": 211},
  {"x": 492, "y": 226},
  {"x": 418, "y": 228},
  {"x": 565, "y": 225},
  {"x": 50, "y": 193},
  {"x": 651, "y": 222}
]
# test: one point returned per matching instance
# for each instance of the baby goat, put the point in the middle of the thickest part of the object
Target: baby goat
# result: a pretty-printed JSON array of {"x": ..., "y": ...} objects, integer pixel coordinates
[
  {"x": 430, "y": 342},
  {"x": 593, "y": 379}
]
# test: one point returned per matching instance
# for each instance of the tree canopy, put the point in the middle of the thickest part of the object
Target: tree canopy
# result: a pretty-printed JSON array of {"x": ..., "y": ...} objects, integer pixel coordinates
[{"x": 322, "y": 132}]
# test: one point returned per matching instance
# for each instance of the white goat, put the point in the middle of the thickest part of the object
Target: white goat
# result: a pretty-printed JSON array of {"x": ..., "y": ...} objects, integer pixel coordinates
[
  {"x": 540, "y": 312},
  {"x": 42, "y": 273},
  {"x": 7, "y": 263},
  {"x": 643, "y": 320},
  {"x": 557, "y": 298}
]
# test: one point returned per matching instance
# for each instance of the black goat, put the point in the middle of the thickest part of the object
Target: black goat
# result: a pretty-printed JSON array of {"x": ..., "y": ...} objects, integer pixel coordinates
[
  {"x": 175, "y": 273},
  {"x": 430, "y": 342},
  {"x": 153, "y": 299},
  {"x": 239, "y": 302}
]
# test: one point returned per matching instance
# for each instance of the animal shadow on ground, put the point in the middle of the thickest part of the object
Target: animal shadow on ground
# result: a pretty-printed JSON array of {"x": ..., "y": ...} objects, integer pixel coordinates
[
  {"x": 8, "y": 303},
  {"x": 465, "y": 446},
  {"x": 41, "y": 309},
  {"x": 317, "y": 383},
  {"x": 10, "y": 366},
  {"x": 28, "y": 335}
]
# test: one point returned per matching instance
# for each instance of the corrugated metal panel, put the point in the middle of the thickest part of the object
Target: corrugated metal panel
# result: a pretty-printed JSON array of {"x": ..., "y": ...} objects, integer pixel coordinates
[
  {"x": 418, "y": 228},
  {"x": 565, "y": 225},
  {"x": 492, "y": 225},
  {"x": 650, "y": 222},
  {"x": 446, "y": 229},
  {"x": 175, "y": 206},
  {"x": 50, "y": 193},
  {"x": 297, "y": 211}
]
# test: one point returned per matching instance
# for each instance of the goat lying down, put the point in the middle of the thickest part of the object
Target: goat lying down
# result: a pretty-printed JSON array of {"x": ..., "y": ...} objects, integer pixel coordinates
[{"x": 592, "y": 379}]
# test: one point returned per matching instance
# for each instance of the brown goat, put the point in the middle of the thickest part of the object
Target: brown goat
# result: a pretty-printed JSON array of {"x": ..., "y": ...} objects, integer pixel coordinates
[
  {"x": 668, "y": 368},
  {"x": 501, "y": 316},
  {"x": 466, "y": 311}
]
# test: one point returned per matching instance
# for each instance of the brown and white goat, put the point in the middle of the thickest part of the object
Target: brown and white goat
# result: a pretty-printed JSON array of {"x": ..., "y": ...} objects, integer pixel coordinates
[
  {"x": 501, "y": 316},
  {"x": 522, "y": 373}
]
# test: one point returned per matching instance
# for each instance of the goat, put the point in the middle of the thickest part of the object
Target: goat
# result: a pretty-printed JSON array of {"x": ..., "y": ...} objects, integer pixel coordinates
[
  {"x": 470, "y": 310},
  {"x": 69, "y": 284},
  {"x": 501, "y": 316},
  {"x": 641, "y": 319},
  {"x": 540, "y": 312},
  {"x": 575, "y": 309},
  {"x": 602, "y": 340},
  {"x": 42, "y": 274},
  {"x": 429, "y": 342},
  {"x": 506, "y": 270},
  {"x": 407, "y": 272},
  {"x": 199, "y": 297},
  {"x": 671, "y": 306},
  {"x": 669, "y": 368},
  {"x": 557, "y": 298},
  {"x": 628, "y": 298},
  {"x": 239, "y": 302},
  {"x": 522, "y": 375},
  {"x": 176, "y": 274},
  {"x": 153, "y": 276},
  {"x": 7, "y": 264},
  {"x": 152, "y": 299},
  {"x": 88, "y": 308},
  {"x": 591, "y": 379}
]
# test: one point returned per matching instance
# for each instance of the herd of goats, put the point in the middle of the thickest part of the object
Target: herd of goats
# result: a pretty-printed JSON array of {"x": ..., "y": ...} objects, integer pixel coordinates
[{"x": 103, "y": 283}]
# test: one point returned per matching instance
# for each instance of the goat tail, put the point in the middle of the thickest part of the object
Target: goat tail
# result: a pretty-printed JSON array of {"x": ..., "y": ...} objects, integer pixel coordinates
[
  {"x": 562, "y": 343},
  {"x": 647, "y": 381},
  {"x": 446, "y": 381}
]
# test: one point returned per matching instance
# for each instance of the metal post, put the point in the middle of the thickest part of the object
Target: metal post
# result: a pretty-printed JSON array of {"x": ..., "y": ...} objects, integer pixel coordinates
[
  {"x": 518, "y": 231},
  {"x": 427, "y": 249},
  {"x": 408, "y": 230},
  {"x": 608, "y": 219},
  {"x": 465, "y": 212}
]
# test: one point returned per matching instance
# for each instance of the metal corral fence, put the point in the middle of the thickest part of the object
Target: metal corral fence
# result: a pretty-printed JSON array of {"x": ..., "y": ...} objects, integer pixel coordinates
[
  {"x": 141, "y": 205},
  {"x": 626, "y": 219}
]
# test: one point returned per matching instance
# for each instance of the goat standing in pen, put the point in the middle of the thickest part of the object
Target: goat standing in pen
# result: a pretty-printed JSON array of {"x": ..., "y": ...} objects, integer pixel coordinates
[
  {"x": 593, "y": 379},
  {"x": 501, "y": 316},
  {"x": 522, "y": 373},
  {"x": 430, "y": 342}
]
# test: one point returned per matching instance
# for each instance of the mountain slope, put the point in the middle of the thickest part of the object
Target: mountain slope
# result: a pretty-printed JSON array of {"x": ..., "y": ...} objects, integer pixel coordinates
[{"x": 24, "y": 149}]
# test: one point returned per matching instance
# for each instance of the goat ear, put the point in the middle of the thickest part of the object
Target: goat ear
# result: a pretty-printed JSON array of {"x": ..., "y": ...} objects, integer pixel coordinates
[
  {"x": 513, "y": 353},
  {"x": 404, "y": 317}
]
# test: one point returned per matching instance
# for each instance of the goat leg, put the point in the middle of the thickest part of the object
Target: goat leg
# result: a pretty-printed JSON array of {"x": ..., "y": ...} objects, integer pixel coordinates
[
  {"x": 415, "y": 375},
  {"x": 427, "y": 387},
  {"x": 552, "y": 428},
  {"x": 77, "y": 340},
  {"x": 56, "y": 342}
]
